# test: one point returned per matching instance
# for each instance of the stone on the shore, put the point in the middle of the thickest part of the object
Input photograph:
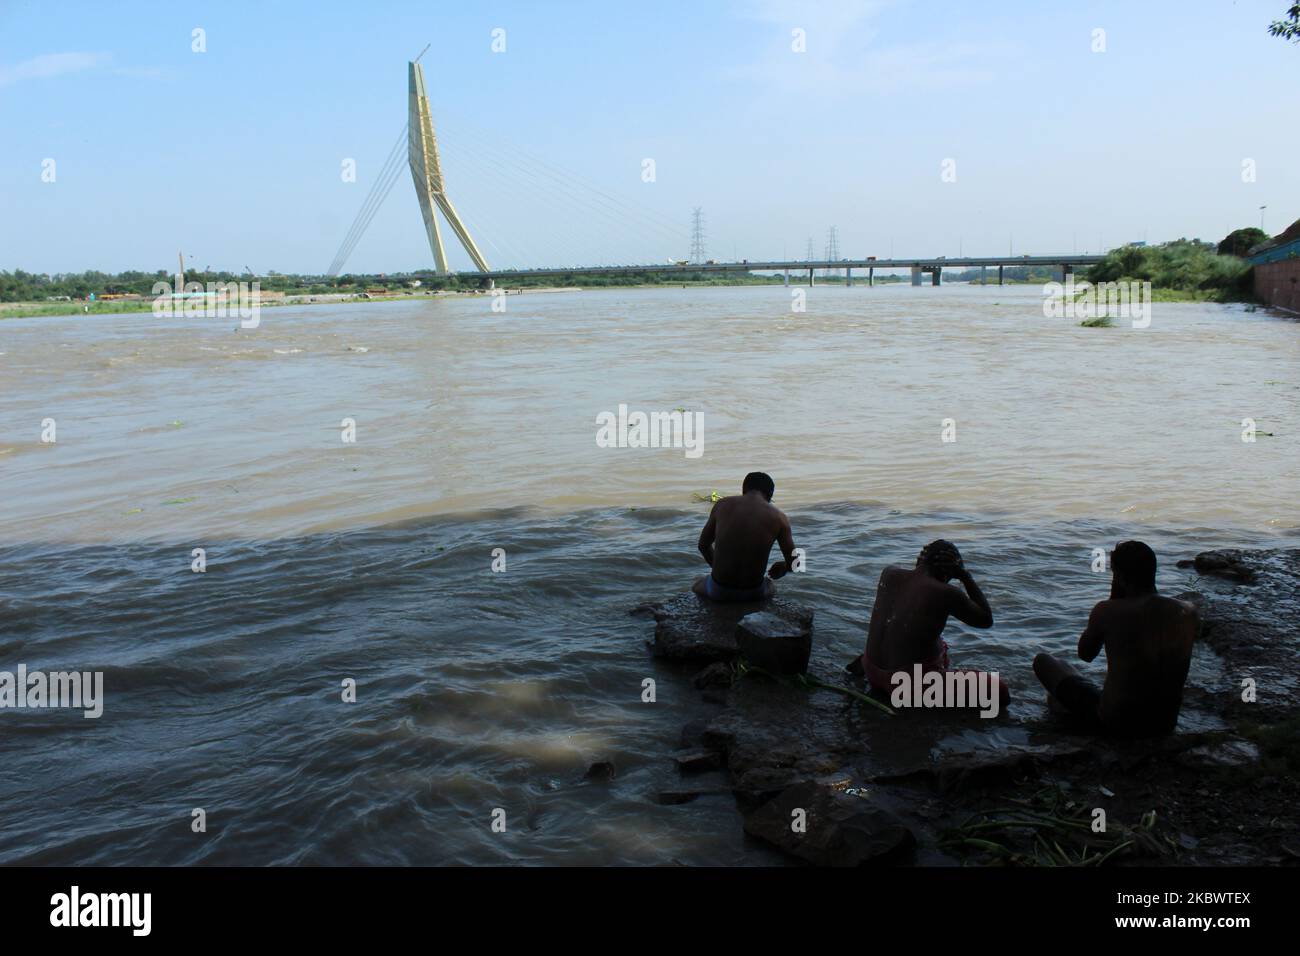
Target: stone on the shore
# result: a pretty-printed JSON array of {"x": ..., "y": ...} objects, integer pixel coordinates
[
  {"x": 698, "y": 761},
  {"x": 678, "y": 795},
  {"x": 1223, "y": 564},
  {"x": 1232, "y": 752},
  {"x": 833, "y": 829},
  {"x": 716, "y": 674},
  {"x": 601, "y": 770},
  {"x": 778, "y": 644},
  {"x": 691, "y": 628}
]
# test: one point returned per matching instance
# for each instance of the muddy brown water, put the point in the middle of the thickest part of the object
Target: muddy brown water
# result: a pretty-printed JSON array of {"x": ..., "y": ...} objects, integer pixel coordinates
[{"x": 475, "y": 430}]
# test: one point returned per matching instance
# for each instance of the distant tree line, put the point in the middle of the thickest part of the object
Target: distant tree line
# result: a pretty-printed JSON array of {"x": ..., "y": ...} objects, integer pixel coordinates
[{"x": 20, "y": 286}]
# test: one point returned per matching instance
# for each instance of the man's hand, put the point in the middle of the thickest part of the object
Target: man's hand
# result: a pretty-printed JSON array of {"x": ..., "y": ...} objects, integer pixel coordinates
[{"x": 778, "y": 570}]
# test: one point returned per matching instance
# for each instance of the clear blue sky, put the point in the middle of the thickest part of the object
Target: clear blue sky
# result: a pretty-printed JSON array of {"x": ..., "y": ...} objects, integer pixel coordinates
[{"x": 235, "y": 154}]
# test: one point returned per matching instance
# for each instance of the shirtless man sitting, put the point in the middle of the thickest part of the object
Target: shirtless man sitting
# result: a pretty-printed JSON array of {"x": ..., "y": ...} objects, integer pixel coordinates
[
  {"x": 737, "y": 540},
  {"x": 911, "y": 611},
  {"x": 1148, "y": 640}
]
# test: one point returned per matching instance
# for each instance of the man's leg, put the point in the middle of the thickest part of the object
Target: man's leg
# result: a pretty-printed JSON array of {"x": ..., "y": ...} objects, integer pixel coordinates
[
  {"x": 700, "y": 586},
  {"x": 1069, "y": 693},
  {"x": 1051, "y": 671}
]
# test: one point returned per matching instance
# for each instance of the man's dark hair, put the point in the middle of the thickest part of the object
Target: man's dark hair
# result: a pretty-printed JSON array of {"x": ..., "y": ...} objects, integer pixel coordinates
[
  {"x": 757, "y": 481},
  {"x": 1135, "y": 563},
  {"x": 942, "y": 556}
]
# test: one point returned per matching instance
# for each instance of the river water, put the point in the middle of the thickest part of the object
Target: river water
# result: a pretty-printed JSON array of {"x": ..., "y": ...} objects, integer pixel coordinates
[{"x": 475, "y": 430}]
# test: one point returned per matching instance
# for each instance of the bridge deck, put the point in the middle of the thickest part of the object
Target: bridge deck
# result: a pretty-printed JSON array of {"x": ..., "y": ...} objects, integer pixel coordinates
[{"x": 795, "y": 266}]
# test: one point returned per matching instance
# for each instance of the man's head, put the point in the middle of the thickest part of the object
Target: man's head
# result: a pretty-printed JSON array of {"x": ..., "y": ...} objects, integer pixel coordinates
[
  {"x": 1133, "y": 568},
  {"x": 757, "y": 481},
  {"x": 941, "y": 558}
]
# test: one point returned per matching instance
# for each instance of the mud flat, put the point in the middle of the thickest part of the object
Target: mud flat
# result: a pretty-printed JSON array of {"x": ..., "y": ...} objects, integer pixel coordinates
[{"x": 829, "y": 780}]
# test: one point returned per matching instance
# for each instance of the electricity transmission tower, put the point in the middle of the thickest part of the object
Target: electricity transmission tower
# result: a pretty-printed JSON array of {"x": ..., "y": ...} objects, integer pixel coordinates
[
  {"x": 811, "y": 251},
  {"x": 832, "y": 250},
  {"x": 697, "y": 236}
]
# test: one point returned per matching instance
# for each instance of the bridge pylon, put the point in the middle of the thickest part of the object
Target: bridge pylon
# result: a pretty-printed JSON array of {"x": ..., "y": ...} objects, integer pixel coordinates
[{"x": 426, "y": 171}]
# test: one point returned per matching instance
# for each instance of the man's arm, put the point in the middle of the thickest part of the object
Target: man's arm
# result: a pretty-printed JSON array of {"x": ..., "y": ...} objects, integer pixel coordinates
[
  {"x": 1093, "y": 637},
  {"x": 972, "y": 607},
  {"x": 785, "y": 538},
  {"x": 708, "y": 534}
]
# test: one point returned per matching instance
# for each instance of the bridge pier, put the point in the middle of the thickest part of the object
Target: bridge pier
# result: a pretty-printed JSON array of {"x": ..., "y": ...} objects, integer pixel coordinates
[
  {"x": 982, "y": 270},
  {"x": 916, "y": 275},
  {"x": 811, "y": 280},
  {"x": 871, "y": 277},
  {"x": 934, "y": 276},
  {"x": 999, "y": 275},
  {"x": 848, "y": 278}
]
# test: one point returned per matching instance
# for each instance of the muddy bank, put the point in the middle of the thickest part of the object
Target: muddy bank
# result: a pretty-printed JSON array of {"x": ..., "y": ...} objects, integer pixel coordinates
[{"x": 831, "y": 781}]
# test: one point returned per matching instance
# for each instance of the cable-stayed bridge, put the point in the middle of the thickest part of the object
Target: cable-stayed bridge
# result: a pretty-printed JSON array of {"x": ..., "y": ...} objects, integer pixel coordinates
[{"x": 576, "y": 209}]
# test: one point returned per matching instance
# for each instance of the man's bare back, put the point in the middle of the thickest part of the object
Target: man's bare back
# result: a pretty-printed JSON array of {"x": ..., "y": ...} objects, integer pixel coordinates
[
  {"x": 1148, "y": 642},
  {"x": 1148, "y": 639},
  {"x": 737, "y": 541},
  {"x": 911, "y": 610}
]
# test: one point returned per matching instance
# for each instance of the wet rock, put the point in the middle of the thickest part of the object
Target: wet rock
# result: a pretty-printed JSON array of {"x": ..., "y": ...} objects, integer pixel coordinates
[
  {"x": 777, "y": 644},
  {"x": 670, "y": 798},
  {"x": 601, "y": 771},
  {"x": 679, "y": 795},
  {"x": 1224, "y": 564},
  {"x": 716, "y": 674},
  {"x": 1233, "y": 752},
  {"x": 1252, "y": 630},
  {"x": 692, "y": 735},
  {"x": 689, "y": 627},
  {"x": 698, "y": 761},
  {"x": 839, "y": 829},
  {"x": 760, "y": 784}
]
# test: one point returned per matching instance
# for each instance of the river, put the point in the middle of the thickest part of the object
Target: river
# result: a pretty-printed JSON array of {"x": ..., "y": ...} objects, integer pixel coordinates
[{"x": 475, "y": 430}]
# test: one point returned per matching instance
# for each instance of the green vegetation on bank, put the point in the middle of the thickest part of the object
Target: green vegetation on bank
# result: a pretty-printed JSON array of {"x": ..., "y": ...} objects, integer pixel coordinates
[
  {"x": 20, "y": 286},
  {"x": 1185, "y": 269}
]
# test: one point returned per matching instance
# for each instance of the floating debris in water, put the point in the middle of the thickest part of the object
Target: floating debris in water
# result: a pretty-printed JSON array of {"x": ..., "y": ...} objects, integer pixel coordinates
[{"x": 712, "y": 496}]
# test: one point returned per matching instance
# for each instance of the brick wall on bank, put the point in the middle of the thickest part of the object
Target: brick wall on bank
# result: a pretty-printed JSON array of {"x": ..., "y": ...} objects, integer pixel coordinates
[{"x": 1278, "y": 284}]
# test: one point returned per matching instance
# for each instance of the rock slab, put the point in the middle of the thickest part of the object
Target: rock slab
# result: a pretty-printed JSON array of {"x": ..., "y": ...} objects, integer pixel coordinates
[
  {"x": 778, "y": 644},
  {"x": 834, "y": 829},
  {"x": 691, "y": 628}
]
